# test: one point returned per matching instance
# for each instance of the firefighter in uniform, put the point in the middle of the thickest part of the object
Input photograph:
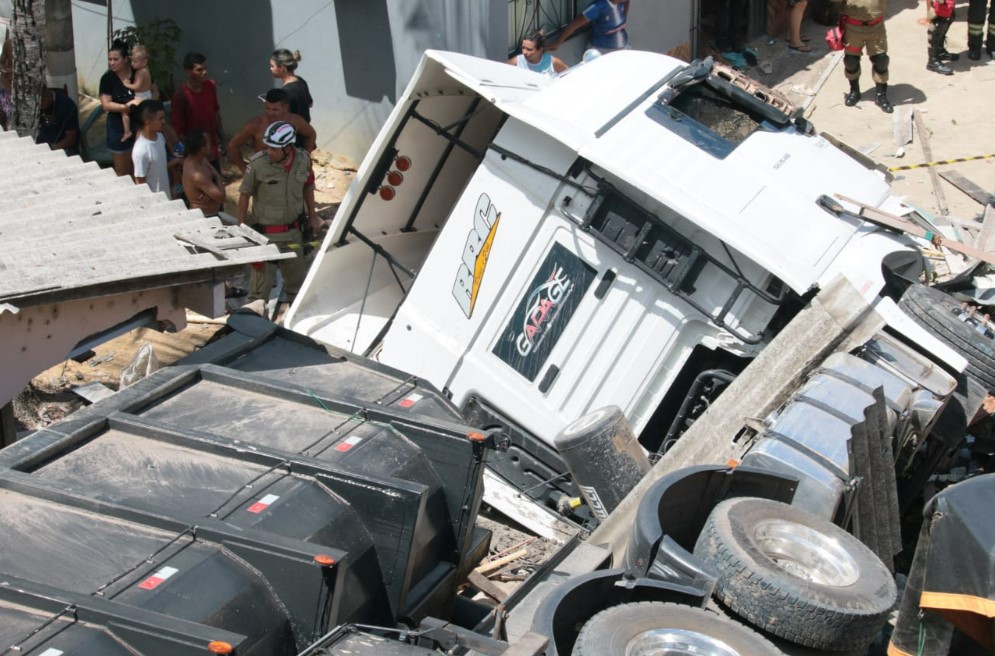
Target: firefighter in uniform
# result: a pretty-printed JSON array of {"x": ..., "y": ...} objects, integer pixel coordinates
[
  {"x": 976, "y": 16},
  {"x": 863, "y": 28},
  {"x": 280, "y": 182},
  {"x": 941, "y": 16}
]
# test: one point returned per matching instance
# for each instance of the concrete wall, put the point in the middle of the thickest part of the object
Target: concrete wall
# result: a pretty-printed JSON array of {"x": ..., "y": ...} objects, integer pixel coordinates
[
  {"x": 660, "y": 26},
  {"x": 357, "y": 55}
]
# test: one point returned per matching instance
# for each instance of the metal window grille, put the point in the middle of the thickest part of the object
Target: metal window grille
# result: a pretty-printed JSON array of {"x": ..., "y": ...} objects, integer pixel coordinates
[{"x": 548, "y": 15}]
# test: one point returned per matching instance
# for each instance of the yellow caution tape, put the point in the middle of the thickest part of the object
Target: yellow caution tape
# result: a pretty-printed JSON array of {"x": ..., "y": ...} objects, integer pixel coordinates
[{"x": 941, "y": 162}]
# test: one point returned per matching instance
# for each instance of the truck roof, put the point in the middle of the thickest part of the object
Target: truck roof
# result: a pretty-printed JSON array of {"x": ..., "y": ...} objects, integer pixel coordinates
[{"x": 760, "y": 198}]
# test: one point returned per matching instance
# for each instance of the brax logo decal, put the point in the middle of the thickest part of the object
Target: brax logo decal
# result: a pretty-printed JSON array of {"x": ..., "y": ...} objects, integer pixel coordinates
[
  {"x": 475, "y": 253},
  {"x": 542, "y": 308}
]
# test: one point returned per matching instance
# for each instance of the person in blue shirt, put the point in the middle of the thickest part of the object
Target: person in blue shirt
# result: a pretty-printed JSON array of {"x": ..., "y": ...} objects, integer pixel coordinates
[
  {"x": 607, "y": 19},
  {"x": 534, "y": 56}
]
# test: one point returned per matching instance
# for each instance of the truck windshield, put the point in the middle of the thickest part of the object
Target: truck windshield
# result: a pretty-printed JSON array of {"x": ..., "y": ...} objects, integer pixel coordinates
[{"x": 716, "y": 113}]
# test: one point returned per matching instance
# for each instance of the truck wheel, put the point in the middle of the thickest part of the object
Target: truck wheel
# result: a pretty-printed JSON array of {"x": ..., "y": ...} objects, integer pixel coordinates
[
  {"x": 796, "y": 576},
  {"x": 658, "y": 628},
  {"x": 942, "y": 314}
]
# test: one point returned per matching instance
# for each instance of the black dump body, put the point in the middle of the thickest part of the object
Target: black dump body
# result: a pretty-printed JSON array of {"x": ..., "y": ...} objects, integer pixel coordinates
[{"x": 258, "y": 494}]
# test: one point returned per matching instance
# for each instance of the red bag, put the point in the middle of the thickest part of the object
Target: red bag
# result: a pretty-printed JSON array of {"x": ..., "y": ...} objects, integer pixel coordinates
[
  {"x": 834, "y": 37},
  {"x": 943, "y": 8}
]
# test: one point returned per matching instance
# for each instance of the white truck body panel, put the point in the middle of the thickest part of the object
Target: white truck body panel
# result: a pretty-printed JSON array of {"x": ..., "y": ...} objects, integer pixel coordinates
[{"x": 479, "y": 233}]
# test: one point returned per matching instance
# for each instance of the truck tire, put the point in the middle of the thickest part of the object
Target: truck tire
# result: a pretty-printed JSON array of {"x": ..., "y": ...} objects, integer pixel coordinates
[
  {"x": 659, "y": 628},
  {"x": 941, "y": 314},
  {"x": 796, "y": 576}
]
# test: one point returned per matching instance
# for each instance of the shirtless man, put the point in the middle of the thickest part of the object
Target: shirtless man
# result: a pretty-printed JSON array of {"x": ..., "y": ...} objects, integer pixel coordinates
[
  {"x": 276, "y": 105},
  {"x": 202, "y": 184}
]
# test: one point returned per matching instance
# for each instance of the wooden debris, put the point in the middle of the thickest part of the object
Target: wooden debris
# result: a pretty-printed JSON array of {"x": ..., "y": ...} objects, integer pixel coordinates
[
  {"x": 882, "y": 218},
  {"x": 941, "y": 199},
  {"x": 498, "y": 563},
  {"x": 968, "y": 187},
  {"x": 488, "y": 587}
]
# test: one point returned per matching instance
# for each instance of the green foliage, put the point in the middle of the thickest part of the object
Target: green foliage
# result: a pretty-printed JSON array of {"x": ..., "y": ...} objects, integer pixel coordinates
[{"x": 161, "y": 38}]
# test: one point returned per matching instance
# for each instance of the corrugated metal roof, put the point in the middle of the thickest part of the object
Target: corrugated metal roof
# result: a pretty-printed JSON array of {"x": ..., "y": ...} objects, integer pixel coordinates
[{"x": 69, "y": 229}]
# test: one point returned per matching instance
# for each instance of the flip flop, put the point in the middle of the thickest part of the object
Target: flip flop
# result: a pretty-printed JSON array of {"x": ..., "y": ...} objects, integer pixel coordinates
[
  {"x": 801, "y": 48},
  {"x": 735, "y": 59}
]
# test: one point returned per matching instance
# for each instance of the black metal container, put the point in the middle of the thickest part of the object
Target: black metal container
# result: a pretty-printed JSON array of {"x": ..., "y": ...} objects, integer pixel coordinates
[{"x": 604, "y": 457}]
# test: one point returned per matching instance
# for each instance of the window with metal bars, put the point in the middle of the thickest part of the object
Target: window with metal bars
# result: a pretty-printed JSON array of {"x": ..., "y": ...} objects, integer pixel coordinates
[{"x": 549, "y": 15}]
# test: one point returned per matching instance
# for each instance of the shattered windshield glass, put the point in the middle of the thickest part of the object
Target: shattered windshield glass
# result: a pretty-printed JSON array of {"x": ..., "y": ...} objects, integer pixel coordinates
[{"x": 713, "y": 112}]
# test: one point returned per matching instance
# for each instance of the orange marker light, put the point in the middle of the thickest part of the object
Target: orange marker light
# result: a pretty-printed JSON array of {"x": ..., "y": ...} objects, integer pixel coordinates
[
  {"x": 219, "y": 647},
  {"x": 387, "y": 193},
  {"x": 324, "y": 560},
  {"x": 403, "y": 163},
  {"x": 476, "y": 437},
  {"x": 395, "y": 178}
]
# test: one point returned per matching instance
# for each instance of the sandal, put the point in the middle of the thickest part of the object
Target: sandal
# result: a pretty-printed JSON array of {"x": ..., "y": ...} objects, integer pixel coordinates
[{"x": 802, "y": 48}]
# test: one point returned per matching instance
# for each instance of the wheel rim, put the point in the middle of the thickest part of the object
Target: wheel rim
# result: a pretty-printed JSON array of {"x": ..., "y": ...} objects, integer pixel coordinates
[
  {"x": 677, "y": 642},
  {"x": 805, "y": 553}
]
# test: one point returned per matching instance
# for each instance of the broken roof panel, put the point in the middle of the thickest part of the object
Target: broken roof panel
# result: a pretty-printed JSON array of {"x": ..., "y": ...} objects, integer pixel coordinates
[{"x": 70, "y": 229}]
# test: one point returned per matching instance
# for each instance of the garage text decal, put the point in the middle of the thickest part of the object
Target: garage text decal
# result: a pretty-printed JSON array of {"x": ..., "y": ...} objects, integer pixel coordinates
[{"x": 550, "y": 300}]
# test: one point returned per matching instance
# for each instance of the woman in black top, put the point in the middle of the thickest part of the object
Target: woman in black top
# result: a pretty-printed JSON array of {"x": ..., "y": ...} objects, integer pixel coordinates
[
  {"x": 114, "y": 98},
  {"x": 282, "y": 64}
]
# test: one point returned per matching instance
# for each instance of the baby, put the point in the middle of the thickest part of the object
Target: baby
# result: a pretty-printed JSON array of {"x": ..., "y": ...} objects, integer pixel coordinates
[{"x": 140, "y": 83}]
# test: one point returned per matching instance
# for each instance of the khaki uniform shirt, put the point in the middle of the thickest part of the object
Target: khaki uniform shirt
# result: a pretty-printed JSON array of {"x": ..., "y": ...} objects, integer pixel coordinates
[{"x": 277, "y": 194}]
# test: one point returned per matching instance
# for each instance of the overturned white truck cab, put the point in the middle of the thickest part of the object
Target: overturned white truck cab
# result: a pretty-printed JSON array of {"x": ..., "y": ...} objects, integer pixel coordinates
[{"x": 631, "y": 233}]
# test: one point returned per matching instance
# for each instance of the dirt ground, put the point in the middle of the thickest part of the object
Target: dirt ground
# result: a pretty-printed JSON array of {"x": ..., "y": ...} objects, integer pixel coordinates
[{"x": 954, "y": 108}]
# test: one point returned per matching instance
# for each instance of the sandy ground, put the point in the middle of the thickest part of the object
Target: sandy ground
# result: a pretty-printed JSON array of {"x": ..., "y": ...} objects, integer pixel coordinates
[{"x": 955, "y": 109}]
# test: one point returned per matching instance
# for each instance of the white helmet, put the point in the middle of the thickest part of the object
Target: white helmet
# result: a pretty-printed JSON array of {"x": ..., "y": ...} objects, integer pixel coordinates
[{"x": 279, "y": 134}]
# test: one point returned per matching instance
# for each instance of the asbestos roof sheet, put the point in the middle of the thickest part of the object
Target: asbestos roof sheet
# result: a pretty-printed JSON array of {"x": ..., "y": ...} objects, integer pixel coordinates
[{"x": 69, "y": 229}]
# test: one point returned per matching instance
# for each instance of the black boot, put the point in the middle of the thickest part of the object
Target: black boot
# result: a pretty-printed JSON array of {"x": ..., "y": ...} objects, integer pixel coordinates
[
  {"x": 936, "y": 65},
  {"x": 945, "y": 55},
  {"x": 853, "y": 97},
  {"x": 881, "y": 99},
  {"x": 937, "y": 47},
  {"x": 974, "y": 46}
]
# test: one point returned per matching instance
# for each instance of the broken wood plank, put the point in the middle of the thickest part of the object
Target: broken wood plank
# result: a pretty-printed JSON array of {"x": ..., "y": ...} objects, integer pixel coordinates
[
  {"x": 968, "y": 187},
  {"x": 485, "y": 585},
  {"x": 498, "y": 563},
  {"x": 887, "y": 220},
  {"x": 941, "y": 199}
]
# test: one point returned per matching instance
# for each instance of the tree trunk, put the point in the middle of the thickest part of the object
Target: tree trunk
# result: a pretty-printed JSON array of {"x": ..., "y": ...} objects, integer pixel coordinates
[
  {"x": 29, "y": 65},
  {"x": 60, "y": 53}
]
